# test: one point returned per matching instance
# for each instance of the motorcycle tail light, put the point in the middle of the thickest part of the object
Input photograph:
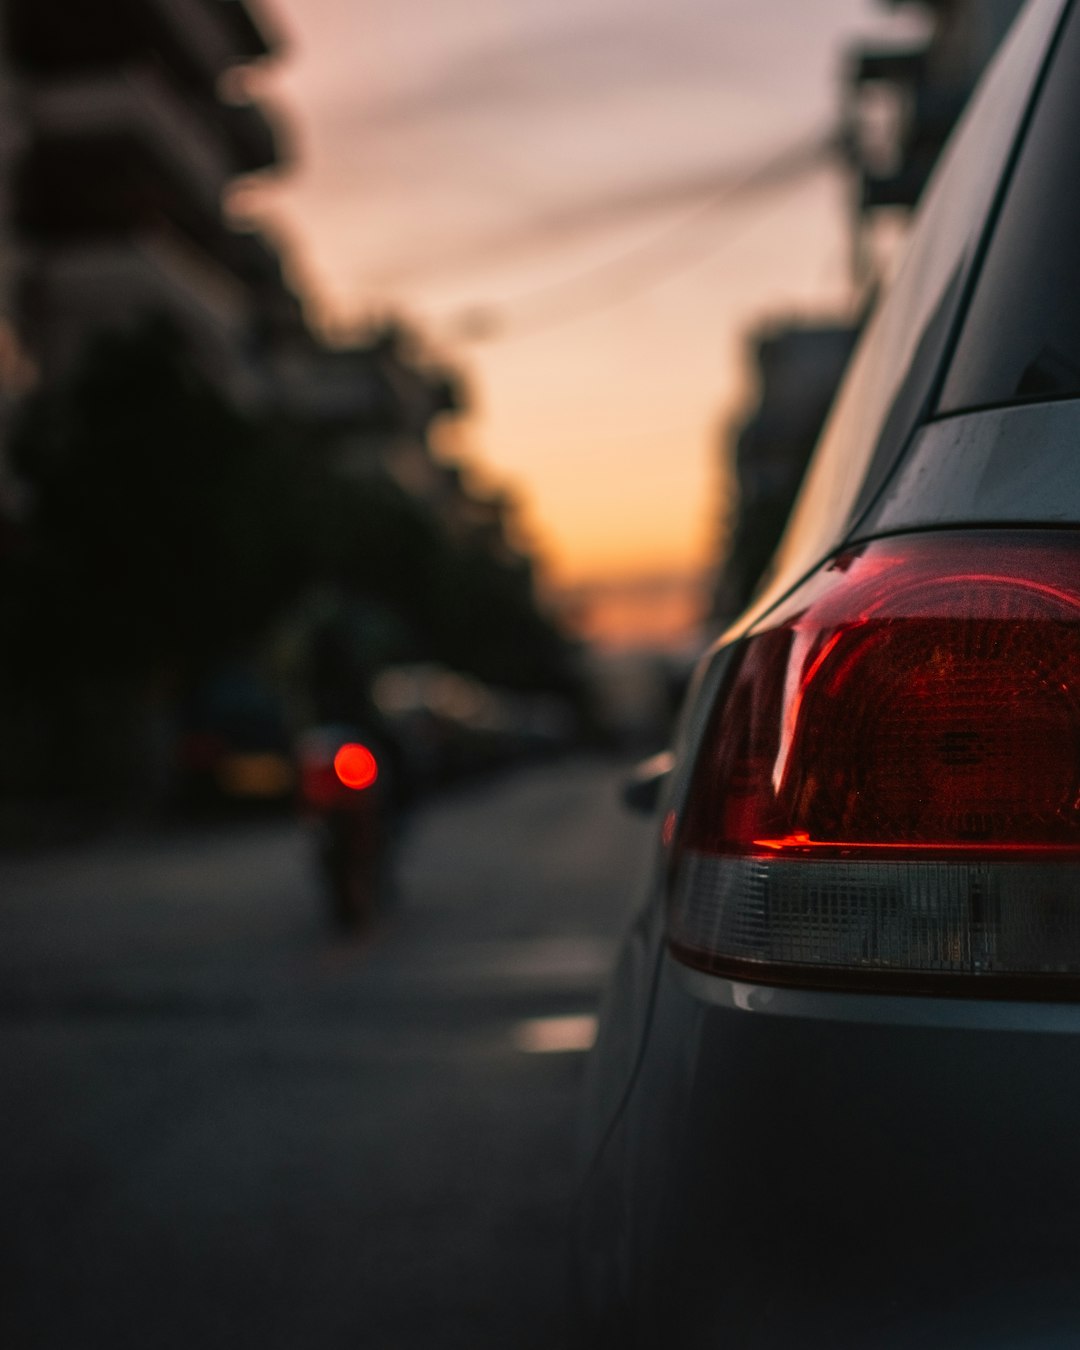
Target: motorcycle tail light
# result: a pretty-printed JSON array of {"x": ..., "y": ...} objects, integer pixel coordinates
[
  {"x": 331, "y": 774},
  {"x": 888, "y": 794},
  {"x": 355, "y": 767}
]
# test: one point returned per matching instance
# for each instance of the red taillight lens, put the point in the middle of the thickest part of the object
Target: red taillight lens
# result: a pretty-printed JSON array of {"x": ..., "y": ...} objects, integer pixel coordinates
[{"x": 891, "y": 781}]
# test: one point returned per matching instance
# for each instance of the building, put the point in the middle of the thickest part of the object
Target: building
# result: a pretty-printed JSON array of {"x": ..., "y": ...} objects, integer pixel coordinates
[
  {"x": 901, "y": 103},
  {"x": 798, "y": 366},
  {"x": 375, "y": 401},
  {"x": 127, "y": 122},
  {"x": 114, "y": 194}
]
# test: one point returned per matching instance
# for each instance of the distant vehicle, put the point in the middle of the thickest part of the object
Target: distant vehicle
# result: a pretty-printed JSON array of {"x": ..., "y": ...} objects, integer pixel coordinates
[
  {"x": 235, "y": 746},
  {"x": 344, "y": 789},
  {"x": 835, "y": 1099},
  {"x": 449, "y": 725}
]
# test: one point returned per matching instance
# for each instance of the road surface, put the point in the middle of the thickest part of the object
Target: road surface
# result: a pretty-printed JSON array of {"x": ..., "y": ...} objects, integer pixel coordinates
[{"x": 224, "y": 1128}]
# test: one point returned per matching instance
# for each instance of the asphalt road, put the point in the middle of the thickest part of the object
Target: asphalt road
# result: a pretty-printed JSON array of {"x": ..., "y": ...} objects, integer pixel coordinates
[{"x": 223, "y": 1127}]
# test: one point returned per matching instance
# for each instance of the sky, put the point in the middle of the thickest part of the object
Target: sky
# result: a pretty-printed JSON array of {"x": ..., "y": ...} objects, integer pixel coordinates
[{"x": 584, "y": 205}]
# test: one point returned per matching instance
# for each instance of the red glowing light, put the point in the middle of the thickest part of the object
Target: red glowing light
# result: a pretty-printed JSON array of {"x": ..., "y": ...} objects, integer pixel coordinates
[
  {"x": 800, "y": 844},
  {"x": 356, "y": 767},
  {"x": 920, "y": 710}
]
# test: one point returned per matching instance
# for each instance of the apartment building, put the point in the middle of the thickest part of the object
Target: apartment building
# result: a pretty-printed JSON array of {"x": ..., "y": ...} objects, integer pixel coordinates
[
  {"x": 902, "y": 102},
  {"x": 132, "y": 123}
]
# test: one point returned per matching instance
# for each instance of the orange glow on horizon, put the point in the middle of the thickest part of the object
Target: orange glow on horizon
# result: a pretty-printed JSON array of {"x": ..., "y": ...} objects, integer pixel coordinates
[{"x": 659, "y": 611}]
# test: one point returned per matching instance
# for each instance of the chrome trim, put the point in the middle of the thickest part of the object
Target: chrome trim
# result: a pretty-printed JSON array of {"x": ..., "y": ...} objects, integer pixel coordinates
[{"x": 883, "y": 1009}]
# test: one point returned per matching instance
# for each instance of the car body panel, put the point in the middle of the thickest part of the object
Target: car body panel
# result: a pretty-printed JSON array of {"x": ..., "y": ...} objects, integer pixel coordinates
[
  {"x": 1003, "y": 466},
  {"x": 800, "y": 1180}
]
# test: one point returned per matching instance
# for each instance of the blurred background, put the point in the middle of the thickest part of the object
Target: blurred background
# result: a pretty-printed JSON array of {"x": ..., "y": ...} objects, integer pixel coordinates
[{"x": 430, "y": 378}]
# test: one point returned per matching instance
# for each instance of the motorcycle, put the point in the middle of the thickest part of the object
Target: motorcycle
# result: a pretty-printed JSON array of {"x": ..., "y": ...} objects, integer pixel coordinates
[{"x": 344, "y": 788}]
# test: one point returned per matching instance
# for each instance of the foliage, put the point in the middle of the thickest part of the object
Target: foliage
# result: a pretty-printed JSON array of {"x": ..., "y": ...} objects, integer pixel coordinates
[
  {"x": 169, "y": 532},
  {"x": 167, "y": 527}
]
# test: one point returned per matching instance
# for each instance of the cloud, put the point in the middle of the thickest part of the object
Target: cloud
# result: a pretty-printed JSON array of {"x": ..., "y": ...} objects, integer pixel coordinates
[
  {"x": 572, "y": 64},
  {"x": 701, "y": 189}
]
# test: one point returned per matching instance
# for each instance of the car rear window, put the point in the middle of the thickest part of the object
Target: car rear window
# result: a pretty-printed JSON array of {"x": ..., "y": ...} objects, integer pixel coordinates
[{"x": 1020, "y": 340}]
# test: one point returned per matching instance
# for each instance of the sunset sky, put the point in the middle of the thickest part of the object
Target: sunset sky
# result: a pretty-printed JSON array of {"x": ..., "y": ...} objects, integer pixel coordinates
[{"x": 566, "y": 172}]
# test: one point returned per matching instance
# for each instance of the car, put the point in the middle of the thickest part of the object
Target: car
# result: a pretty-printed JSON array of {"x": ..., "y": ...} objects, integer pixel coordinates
[
  {"x": 835, "y": 1095},
  {"x": 234, "y": 747}
]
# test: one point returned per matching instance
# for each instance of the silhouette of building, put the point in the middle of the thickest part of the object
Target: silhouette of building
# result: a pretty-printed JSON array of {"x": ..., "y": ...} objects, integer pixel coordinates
[
  {"x": 900, "y": 104},
  {"x": 114, "y": 196},
  {"x": 922, "y": 89},
  {"x": 126, "y": 124},
  {"x": 798, "y": 367}
]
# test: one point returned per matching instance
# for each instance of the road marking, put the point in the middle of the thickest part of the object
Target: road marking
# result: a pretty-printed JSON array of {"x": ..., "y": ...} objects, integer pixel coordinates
[{"x": 555, "y": 1035}]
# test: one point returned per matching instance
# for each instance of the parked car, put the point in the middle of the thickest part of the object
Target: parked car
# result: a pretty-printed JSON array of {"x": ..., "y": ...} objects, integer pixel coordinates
[
  {"x": 234, "y": 747},
  {"x": 835, "y": 1098}
]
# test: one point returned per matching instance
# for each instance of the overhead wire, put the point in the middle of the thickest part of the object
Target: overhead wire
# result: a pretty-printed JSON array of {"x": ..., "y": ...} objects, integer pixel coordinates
[{"x": 649, "y": 264}]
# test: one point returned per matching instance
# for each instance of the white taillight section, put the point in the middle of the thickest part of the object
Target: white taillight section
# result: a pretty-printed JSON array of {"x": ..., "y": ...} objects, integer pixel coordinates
[{"x": 888, "y": 794}]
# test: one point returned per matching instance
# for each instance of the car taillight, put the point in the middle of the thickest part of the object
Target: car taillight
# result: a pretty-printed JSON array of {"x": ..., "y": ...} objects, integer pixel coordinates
[{"x": 888, "y": 794}]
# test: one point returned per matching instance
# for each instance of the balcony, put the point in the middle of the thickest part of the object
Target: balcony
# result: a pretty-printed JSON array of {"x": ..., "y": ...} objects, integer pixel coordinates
[
  {"x": 198, "y": 39},
  {"x": 220, "y": 34},
  {"x": 81, "y": 288},
  {"x": 894, "y": 65},
  {"x": 252, "y": 140},
  {"x": 138, "y": 104}
]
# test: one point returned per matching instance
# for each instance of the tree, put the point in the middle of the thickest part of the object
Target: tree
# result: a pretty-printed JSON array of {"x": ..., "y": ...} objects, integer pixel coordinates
[{"x": 167, "y": 527}]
